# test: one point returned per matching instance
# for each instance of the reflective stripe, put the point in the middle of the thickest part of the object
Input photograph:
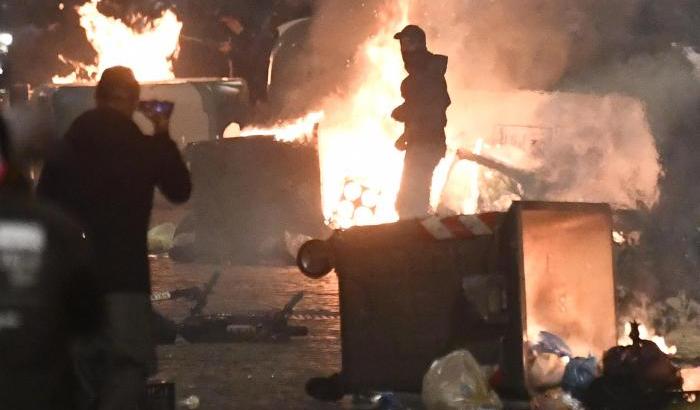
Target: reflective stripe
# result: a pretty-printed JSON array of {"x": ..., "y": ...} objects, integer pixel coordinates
[
  {"x": 436, "y": 229},
  {"x": 460, "y": 226},
  {"x": 475, "y": 225}
]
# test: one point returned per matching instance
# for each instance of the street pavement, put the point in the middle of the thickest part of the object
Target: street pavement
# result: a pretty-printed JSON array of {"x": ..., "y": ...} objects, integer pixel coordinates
[{"x": 253, "y": 376}]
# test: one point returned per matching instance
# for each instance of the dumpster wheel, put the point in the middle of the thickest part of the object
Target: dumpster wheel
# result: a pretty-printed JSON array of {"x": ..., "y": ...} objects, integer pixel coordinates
[{"x": 315, "y": 259}]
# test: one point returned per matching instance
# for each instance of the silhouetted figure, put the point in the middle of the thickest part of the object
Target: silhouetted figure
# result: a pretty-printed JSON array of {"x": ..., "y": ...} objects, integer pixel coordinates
[
  {"x": 249, "y": 48},
  {"x": 104, "y": 172},
  {"x": 423, "y": 114},
  {"x": 48, "y": 297}
]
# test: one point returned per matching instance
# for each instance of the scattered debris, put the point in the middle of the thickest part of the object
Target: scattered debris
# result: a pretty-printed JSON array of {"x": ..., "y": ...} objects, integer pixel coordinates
[
  {"x": 635, "y": 377},
  {"x": 456, "y": 382},
  {"x": 160, "y": 238},
  {"x": 578, "y": 376},
  {"x": 555, "y": 399},
  {"x": 269, "y": 326}
]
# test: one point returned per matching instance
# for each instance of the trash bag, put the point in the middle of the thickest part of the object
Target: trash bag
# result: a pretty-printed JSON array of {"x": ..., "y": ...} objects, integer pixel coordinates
[
  {"x": 635, "y": 377},
  {"x": 160, "y": 238},
  {"x": 550, "y": 343},
  {"x": 578, "y": 376},
  {"x": 455, "y": 382},
  {"x": 545, "y": 371},
  {"x": 555, "y": 399}
]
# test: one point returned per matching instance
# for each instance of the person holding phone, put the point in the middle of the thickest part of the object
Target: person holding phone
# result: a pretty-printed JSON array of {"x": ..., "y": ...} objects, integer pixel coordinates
[{"x": 104, "y": 172}]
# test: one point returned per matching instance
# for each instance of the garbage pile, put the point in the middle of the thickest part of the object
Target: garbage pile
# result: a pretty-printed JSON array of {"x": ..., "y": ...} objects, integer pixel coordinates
[
  {"x": 639, "y": 376},
  {"x": 456, "y": 382},
  {"x": 635, "y": 377}
]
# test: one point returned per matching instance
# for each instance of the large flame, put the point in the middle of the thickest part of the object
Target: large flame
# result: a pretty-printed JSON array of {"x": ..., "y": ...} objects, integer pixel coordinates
[
  {"x": 646, "y": 334},
  {"x": 356, "y": 143},
  {"x": 148, "y": 51}
]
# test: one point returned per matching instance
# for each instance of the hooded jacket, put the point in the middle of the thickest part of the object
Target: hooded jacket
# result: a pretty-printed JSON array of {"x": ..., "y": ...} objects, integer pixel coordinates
[{"x": 425, "y": 100}]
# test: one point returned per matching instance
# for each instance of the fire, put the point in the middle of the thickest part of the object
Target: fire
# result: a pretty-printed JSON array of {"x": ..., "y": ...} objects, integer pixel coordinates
[
  {"x": 356, "y": 141},
  {"x": 360, "y": 167},
  {"x": 646, "y": 334},
  {"x": 148, "y": 51},
  {"x": 300, "y": 129},
  {"x": 691, "y": 379}
]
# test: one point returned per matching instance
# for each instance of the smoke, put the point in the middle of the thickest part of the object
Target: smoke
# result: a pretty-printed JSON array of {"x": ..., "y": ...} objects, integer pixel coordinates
[
  {"x": 603, "y": 91},
  {"x": 599, "y": 147}
]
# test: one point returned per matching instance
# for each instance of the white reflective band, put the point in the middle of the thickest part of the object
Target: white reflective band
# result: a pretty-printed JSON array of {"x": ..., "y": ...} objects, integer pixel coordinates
[
  {"x": 475, "y": 225},
  {"x": 435, "y": 227}
]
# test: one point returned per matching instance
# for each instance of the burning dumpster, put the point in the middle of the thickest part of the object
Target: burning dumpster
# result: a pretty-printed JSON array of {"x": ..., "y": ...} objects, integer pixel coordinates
[
  {"x": 415, "y": 290},
  {"x": 250, "y": 192}
]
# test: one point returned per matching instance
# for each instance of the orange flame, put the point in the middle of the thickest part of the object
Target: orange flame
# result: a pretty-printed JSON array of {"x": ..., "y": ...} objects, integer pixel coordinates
[
  {"x": 646, "y": 334},
  {"x": 148, "y": 52},
  {"x": 301, "y": 129},
  {"x": 691, "y": 379},
  {"x": 356, "y": 141}
]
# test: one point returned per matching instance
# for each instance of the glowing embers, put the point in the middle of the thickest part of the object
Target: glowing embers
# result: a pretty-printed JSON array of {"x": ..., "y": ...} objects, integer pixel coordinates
[{"x": 357, "y": 206}]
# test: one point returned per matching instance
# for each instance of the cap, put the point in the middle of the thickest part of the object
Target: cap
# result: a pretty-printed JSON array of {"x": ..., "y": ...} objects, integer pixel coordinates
[
  {"x": 411, "y": 31},
  {"x": 119, "y": 82}
]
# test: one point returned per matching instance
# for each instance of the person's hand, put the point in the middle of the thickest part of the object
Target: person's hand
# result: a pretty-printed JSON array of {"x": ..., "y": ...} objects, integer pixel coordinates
[
  {"x": 398, "y": 113},
  {"x": 161, "y": 122},
  {"x": 401, "y": 143},
  {"x": 225, "y": 47},
  {"x": 465, "y": 155}
]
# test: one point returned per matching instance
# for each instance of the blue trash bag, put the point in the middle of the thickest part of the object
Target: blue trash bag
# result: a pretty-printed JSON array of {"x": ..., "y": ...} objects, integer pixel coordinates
[
  {"x": 551, "y": 343},
  {"x": 578, "y": 375}
]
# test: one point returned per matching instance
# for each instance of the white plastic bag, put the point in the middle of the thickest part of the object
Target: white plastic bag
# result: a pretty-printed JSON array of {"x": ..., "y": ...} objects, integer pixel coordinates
[
  {"x": 456, "y": 382},
  {"x": 546, "y": 371}
]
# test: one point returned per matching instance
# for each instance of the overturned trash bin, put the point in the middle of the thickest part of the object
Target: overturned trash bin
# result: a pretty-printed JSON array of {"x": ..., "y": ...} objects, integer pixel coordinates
[{"x": 415, "y": 290}]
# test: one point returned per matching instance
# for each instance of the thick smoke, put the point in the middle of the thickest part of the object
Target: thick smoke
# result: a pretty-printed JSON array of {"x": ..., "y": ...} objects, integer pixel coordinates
[{"x": 606, "y": 85}]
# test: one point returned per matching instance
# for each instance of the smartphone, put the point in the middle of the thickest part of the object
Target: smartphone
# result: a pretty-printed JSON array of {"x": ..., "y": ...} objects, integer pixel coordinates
[{"x": 155, "y": 107}]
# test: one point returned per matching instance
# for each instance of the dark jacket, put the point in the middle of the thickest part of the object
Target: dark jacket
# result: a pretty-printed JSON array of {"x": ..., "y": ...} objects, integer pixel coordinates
[
  {"x": 250, "y": 57},
  {"x": 425, "y": 101},
  {"x": 48, "y": 296},
  {"x": 104, "y": 173}
]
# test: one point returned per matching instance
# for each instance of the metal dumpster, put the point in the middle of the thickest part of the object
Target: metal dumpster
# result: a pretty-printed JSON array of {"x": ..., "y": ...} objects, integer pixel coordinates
[
  {"x": 249, "y": 192},
  {"x": 203, "y": 106},
  {"x": 415, "y": 290}
]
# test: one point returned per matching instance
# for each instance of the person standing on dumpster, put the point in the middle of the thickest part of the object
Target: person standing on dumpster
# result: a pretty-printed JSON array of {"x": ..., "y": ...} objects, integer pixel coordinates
[
  {"x": 104, "y": 172},
  {"x": 249, "y": 47},
  {"x": 424, "y": 116},
  {"x": 48, "y": 296}
]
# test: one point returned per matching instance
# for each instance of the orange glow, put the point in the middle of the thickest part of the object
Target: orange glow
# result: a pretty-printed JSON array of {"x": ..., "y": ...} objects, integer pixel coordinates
[
  {"x": 148, "y": 52},
  {"x": 302, "y": 129},
  {"x": 357, "y": 134},
  {"x": 691, "y": 379},
  {"x": 356, "y": 141},
  {"x": 471, "y": 202},
  {"x": 646, "y": 334}
]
